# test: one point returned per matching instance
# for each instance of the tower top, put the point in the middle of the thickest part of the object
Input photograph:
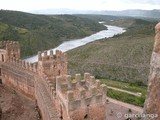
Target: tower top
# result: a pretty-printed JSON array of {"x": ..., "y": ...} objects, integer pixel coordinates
[{"x": 157, "y": 27}]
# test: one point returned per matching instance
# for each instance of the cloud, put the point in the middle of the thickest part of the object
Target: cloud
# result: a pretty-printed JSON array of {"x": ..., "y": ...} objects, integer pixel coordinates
[
  {"x": 151, "y": 2},
  {"x": 29, "y": 5}
]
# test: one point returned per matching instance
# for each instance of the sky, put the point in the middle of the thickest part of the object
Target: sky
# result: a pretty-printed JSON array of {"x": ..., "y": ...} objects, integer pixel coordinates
[{"x": 31, "y": 5}]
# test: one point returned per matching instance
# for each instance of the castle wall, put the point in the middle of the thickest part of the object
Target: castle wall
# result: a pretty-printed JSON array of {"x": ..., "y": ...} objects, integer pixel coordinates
[
  {"x": 18, "y": 78},
  {"x": 57, "y": 96},
  {"x": 152, "y": 105},
  {"x": 80, "y": 99},
  {"x": 45, "y": 100}
]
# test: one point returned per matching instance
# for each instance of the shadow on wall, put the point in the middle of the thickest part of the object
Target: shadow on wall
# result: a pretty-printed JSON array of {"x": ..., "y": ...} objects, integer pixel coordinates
[{"x": 0, "y": 113}]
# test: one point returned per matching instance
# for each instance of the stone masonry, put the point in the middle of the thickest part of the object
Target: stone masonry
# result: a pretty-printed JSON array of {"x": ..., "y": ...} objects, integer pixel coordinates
[
  {"x": 152, "y": 105},
  {"x": 58, "y": 96}
]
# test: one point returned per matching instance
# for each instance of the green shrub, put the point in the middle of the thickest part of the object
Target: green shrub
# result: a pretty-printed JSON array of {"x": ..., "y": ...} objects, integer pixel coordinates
[{"x": 139, "y": 101}]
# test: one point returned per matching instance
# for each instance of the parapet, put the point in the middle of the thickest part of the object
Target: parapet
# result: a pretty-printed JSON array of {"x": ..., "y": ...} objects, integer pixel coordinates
[
  {"x": 7, "y": 45},
  {"x": 58, "y": 56},
  {"x": 52, "y": 64},
  {"x": 81, "y": 93},
  {"x": 23, "y": 64}
]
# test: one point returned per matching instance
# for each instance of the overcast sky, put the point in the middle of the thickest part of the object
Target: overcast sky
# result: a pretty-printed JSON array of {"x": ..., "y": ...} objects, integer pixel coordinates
[{"x": 29, "y": 5}]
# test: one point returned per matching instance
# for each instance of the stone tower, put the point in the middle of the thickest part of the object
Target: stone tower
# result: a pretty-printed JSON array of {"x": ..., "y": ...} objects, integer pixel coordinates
[
  {"x": 52, "y": 65},
  {"x": 80, "y": 99},
  {"x": 152, "y": 105},
  {"x": 9, "y": 49}
]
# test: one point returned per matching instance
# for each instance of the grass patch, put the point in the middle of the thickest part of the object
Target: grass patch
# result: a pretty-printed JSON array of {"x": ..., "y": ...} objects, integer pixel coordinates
[
  {"x": 133, "y": 87},
  {"x": 124, "y": 97}
]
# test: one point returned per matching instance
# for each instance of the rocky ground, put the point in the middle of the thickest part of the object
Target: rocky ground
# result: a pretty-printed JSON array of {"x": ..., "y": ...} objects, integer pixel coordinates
[
  {"x": 117, "y": 110},
  {"x": 16, "y": 106}
]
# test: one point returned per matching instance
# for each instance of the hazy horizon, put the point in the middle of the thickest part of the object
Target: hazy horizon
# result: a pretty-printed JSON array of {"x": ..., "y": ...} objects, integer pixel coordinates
[{"x": 94, "y": 5}]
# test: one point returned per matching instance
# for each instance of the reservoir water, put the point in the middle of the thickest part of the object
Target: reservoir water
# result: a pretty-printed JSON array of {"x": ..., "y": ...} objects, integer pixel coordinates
[{"x": 68, "y": 45}]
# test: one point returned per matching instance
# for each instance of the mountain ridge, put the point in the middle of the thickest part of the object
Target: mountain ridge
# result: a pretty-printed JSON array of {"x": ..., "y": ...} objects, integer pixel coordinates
[
  {"x": 40, "y": 32},
  {"x": 155, "y": 13}
]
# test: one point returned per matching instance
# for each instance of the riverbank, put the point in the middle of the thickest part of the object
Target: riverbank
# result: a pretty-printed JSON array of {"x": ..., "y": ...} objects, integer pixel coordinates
[
  {"x": 69, "y": 45},
  {"x": 124, "y": 57}
]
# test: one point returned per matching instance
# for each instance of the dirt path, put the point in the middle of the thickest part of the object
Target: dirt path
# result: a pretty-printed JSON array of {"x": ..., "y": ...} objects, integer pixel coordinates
[
  {"x": 133, "y": 107},
  {"x": 125, "y": 91},
  {"x": 116, "y": 110},
  {"x": 16, "y": 106}
]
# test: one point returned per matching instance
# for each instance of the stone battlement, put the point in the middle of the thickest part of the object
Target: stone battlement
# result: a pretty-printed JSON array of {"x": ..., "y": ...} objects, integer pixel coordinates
[
  {"x": 52, "y": 64},
  {"x": 9, "y": 49},
  {"x": 79, "y": 94},
  {"x": 78, "y": 89},
  {"x": 48, "y": 82},
  {"x": 8, "y": 44},
  {"x": 32, "y": 67},
  {"x": 58, "y": 56}
]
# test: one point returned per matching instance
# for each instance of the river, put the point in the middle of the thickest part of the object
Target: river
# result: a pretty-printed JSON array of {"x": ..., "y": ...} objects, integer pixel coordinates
[{"x": 68, "y": 45}]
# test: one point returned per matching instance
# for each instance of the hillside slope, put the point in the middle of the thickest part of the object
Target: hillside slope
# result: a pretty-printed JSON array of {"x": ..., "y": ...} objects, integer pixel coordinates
[
  {"x": 39, "y": 32},
  {"x": 124, "y": 57}
]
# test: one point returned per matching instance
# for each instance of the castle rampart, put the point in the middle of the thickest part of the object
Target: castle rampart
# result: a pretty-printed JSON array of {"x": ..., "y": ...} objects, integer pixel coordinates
[
  {"x": 47, "y": 82},
  {"x": 81, "y": 98},
  {"x": 152, "y": 105}
]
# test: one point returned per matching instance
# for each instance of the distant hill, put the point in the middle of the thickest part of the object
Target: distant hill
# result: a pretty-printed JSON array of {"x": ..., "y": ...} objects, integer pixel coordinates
[
  {"x": 133, "y": 12},
  {"x": 124, "y": 57},
  {"x": 40, "y": 32}
]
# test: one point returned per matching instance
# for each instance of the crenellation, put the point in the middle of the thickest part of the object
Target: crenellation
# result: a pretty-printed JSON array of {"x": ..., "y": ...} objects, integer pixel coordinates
[
  {"x": 65, "y": 57},
  {"x": 20, "y": 62},
  {"x": 45, "y": 56},
  {"x": 70, "y": 95},
  {"x": 23, "y": 64},
  {"x": 82, "y": 93},
  {"x": 99, "y": 98},
  {"x": 92, "y": 80},
  {"x": 30, "y": 66},
  {"x": 47, "y": 81},
  {"x": 39, "y": 55},
  {"x": 98, "y": 84},
  {"x": 51, "y": 65},
  {"x": 88, "y": 100},
  {"x": 68, "y": 81},
  {"x": 61, "y": 84},
  {"x": 51, "y": 56},
  {"x": 58, "y": 53},
  {"x": 78, "y": 77},
  {"x": 86, "y": 76},
  {"x": 74, "y": 85},
  {"x": 35, "y": 67},
  {"x": 27, "y": 65},
  {"x": 93, "y": 90},
  {"x": 83, "y": 82},
  {"x": 103, "y": 89}
]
